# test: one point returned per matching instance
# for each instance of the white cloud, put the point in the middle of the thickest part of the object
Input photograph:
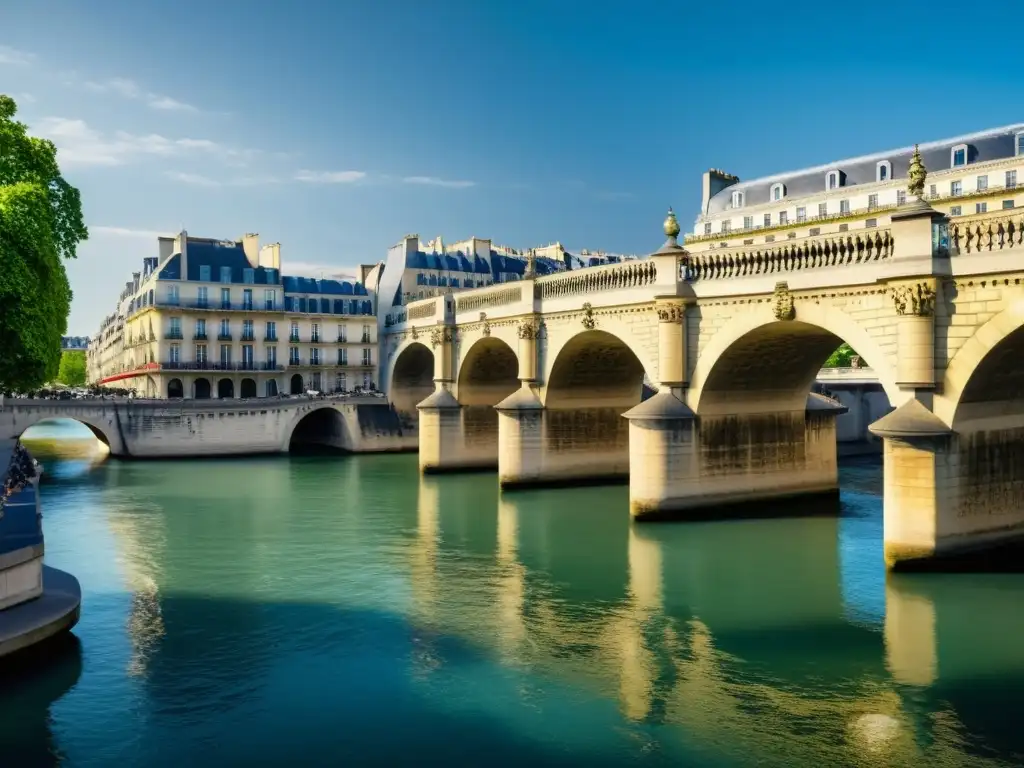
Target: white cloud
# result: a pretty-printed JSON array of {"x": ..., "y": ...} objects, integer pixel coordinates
[
  {"x": 329, "y": 177},
  {"x": 433, "y": 181},
  {"x": 129, "y": 89},
  {"x": 192, "y": 178},
  {"x": 233, "y": 181},
  {"x": 14, "y": 57},
  {"x": 148, "y": 234},
  {"x": 81, "y": 145}
]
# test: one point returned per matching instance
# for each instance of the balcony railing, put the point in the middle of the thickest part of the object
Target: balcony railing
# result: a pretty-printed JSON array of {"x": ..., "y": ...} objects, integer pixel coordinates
[
  {"x": 224, "y": 337},
  {"x": 271, "y": 366},
  {"x": 248, "y": 365},
  {"x": 175, "y": 335},
  {"x": 294, "y": 337},
  {"x": 270, "y": 337},
  {"x": 315, "y": 338},
  {"x": 199, "y": 337},
  {"x": 343, "y": 340},
  {"x": 247, "y": 337},
  {"x": 366, "y": 338}
]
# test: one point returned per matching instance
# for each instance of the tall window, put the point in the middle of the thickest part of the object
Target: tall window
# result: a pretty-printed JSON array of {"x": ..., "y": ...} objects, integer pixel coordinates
[
  {"x": 204, "y": 273},
  {"x": 748, "y": 222},
  {"x": 727, "y": 226},
  {"x": 883, "y": 171},
  {"x": 767, "y": 219},
  {"x": 247, "y": 358},
  {"x": 737, "y": 199},
  {"x": 314, "y": 334},
  {"x": 249, "y": 275},
  {"x": 801, "y": 214},
  {"x": 203, "y": 299},
  {"x": 271, "y": 357},
  {"x": 268, "y": 298},
  {"x": 271, "y": 334},
  {"x": 832, "y": 180},
  {"x": 175, "y": 353},
  {"x": 201, "y": 354},
  {"x": 844, "y": 207},
  {"x": 247, "y": 298},
  {"x": 342, "y": 333},
  {"x": 293, "y": 355},
  {"x": 340, "y": 383},
  {"x": 366, "y": 334},
  {"x": 201, "y": 328},
  {"x": 317, "y": 379},
  {"x": 981, "y": 208},
  {"x": 314, "y": 356},
  {"x": 367, "y": 360},
  {"x": 822, "y": 209},
  {"x": 293, "y": 334},
  {"x": 172, "y": 295},
  {"x": 982, "y": 183},
  {"x": 1011, "y": 179},
  {"x": 956, "y": 188},
  {"x": 783, "y": 217},
  {"x": 225, "y": 354},
  {"x": 933, "y": 190},
  {"x": 901, "y": 196},
  {"x": 343, "y": 356},
  {"x": 247, "y": 332},
  {"x": 777, "y": 192},
  {"x": 225, "y": 329},
  {"x": 955, "y": 210},
  {"x": 225, "y": 274},
  {"x": 872, "y": 201},
  {"x": 175, "y": 327},
  {"x": 707, "y": 228}
]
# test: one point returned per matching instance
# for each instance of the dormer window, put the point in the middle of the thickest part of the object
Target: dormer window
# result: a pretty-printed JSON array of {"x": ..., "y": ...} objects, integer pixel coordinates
[
  {"x": 833, "y": 180},
  {"x": 883, "y": 171},
  {"x": 958, "y": 156},
  {"x": 778, "y": 191},
  {"x": 1018, "y": 143},
  {"x": 737, "y": 199}
]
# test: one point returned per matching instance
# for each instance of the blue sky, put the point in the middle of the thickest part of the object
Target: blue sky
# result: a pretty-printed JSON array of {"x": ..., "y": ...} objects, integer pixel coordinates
[{"x": 337, "y": 127}]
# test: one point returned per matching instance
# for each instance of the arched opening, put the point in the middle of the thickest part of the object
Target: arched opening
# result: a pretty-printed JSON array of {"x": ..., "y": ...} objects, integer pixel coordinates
[
  {"x": 175, "y": 389},
  {"x": 320, "y": 431},
  {"x": 296, "y": 384},
  {"x": 412, "y": 381},
  {"x": 271, "y": 387},
  {"x": 201, "y": 389},
  {"x": 488, "y": 374},
  {"x": 594, "y": 380},
  {"x": 995, "y": 387},
  {"x": 66, "y": 438},
  {"x": 225, "y": 389},
  {"x": 248, "y": 388}
]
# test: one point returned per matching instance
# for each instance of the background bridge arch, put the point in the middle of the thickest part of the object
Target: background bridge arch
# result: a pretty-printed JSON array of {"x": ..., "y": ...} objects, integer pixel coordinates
[
  {"x": 756, "y": 359},
  {"x": 410, "y": 378}
]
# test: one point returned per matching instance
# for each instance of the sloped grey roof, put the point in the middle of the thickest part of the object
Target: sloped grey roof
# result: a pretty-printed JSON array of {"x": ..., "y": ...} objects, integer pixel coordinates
[{"x": 994, "y": 144}]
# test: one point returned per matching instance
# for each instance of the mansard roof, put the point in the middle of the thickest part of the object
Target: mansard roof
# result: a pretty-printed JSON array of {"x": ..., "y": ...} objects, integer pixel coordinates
[{"x": 993, "y": 144}]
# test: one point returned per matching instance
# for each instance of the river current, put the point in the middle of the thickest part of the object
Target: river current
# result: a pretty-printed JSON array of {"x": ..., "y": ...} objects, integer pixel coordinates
[{"x": 344, "y": 611}]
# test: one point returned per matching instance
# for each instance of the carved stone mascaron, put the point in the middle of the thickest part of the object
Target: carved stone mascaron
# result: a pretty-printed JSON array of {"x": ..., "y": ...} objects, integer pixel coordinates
[
  {"x": 914, "y": 299},
  {"x": 782, "y": 302}
]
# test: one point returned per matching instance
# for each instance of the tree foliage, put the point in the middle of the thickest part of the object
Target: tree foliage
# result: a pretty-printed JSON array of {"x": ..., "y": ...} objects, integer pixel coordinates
[
  {"x": 72, "y": 368},
  {"x": 40, "y": 224},
  {"x": 841, "y": 357}
]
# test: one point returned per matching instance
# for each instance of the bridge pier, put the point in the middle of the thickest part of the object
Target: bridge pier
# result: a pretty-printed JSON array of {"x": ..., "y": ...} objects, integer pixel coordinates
[{"x": 691, "y": 468}]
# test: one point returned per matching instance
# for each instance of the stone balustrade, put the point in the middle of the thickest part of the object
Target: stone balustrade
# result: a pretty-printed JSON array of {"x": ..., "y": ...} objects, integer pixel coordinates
[
  {"x": 610, "y": 277},
  {"x": 474, "y": 301},
  {"x": 792, "y": 255},
  {"x": 987, "y": 233},
  {"x": 421, "y": 310}
]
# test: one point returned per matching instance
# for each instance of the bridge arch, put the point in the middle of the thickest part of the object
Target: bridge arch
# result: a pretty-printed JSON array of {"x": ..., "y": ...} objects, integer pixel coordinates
[
  {"x": 488, "y": 373},
  {"x": 986, "y": 374},
  {"x": 322, "y": 428},
  {"x": 756, "y": 361},
  {"x": 175, "y": 389},
  {"x": 247, "y": 389},
  {"x": 411, "y": 379},
  {"x": 201, "y": 388},
  {"x": 100, "y": 430}
]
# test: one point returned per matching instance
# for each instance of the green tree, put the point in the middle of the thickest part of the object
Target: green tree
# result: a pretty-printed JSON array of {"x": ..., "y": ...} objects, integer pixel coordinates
[
  {"x": 40, "y": 225},
  {"x": 841, "y": 357},
  {"x": 72, "y": 368}
]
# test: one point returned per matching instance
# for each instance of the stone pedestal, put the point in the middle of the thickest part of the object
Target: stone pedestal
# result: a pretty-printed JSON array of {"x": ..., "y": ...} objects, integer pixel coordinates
[
  {"x": 520, "y": 439},
  {"x": 949, "y": 496},
  {"x": 442, "y": 438},
  {"x": 682, "y": 467}
]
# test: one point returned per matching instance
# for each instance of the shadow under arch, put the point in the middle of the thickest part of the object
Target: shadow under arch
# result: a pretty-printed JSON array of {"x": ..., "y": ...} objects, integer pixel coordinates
[
  {"x": 322, "y": 430},
  {"x": 411, "y": 381},
  {"x": 40, "y": 426},
  {"x": 488, "y": 373},
  {"x": 985, "y": 378}
]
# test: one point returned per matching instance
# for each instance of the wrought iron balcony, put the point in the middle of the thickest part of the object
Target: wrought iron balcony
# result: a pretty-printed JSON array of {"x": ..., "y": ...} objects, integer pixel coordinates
[
  {"x": 224, "y": 337},
  {"x": 294, "y": 337},
  {"x": 271, "y": 367},
  {"x": 247, "y": 337},
  {"x": 175, "y": 335},
  {"x": 270, "y": 337},
  {"x": 199, "y": 336}
]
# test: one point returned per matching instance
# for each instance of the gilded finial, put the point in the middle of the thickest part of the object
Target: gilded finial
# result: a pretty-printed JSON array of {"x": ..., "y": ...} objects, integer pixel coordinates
[
  {"x": 916, "y": 175},
  {"x": 671, "y": 225}
]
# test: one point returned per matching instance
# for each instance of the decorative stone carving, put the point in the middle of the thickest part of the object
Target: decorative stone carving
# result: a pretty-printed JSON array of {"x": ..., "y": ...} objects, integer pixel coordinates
[
  {"x": 916, "y": 175},
  {"x": 441, "y": 334},
  {"x": 588, "y": 317},
  {"x": 415, "y": 333},
  {"x": 670, "y": 313},
  {"x": 528, "y": 330},
  {"x": 486, "y": 329},
  {"x": 531, "y": 267},
  {"x": 916, "y": 299},
  {"x": 782, "y": 302}
]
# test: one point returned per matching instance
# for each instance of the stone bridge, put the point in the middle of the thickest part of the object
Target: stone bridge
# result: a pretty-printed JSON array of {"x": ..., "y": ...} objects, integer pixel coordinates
[
  {"x": 192, "y": 428},
  {"x": 534, "y": 377}
]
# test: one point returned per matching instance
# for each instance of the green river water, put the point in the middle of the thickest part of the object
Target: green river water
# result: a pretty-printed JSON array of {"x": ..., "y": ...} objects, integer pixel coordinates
[{"x": 344, "y": 611}]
